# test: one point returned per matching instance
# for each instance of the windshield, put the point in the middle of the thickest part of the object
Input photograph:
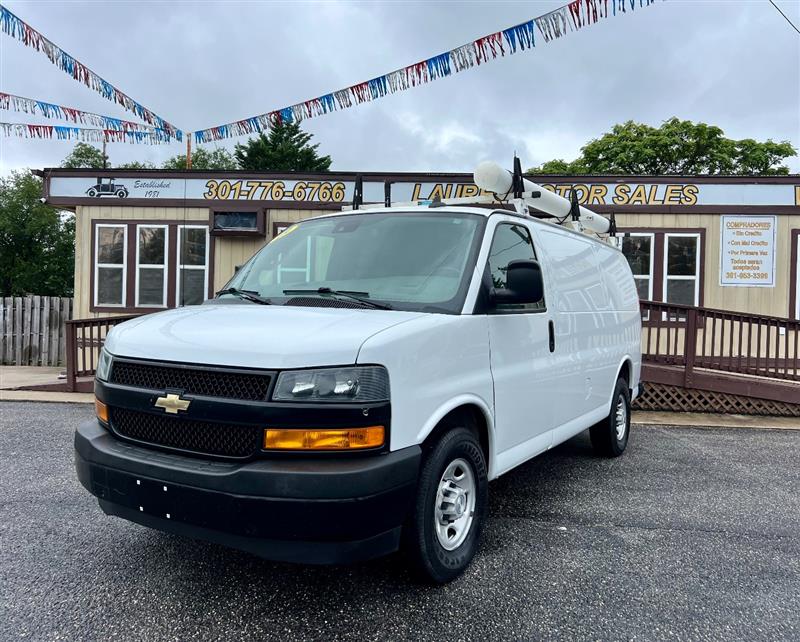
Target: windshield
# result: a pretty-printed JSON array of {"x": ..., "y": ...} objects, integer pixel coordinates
[{"x": 410, "y": 261}]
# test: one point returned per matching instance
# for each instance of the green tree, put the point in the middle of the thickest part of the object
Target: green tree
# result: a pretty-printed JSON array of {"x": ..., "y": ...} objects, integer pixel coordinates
[
  {"x": 285, "y": 148},
  {"x": 559, "y": 166},
  {"x": 137, "y": 165},
  {"x": 85, "y": 155},
  {"x": 676, "y": 147},
  {"x": 219, "y": 158},
  {"x": 36, "y": 240}
]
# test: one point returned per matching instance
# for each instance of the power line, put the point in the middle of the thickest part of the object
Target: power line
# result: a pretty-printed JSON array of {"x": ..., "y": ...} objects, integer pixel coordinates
[{"x": 784, "y": 16}]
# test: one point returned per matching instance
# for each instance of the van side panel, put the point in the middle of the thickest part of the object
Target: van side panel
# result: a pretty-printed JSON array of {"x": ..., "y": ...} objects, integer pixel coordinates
[
  {"x": 619, "y": 282},
  {"x": 596, "y": 323}
]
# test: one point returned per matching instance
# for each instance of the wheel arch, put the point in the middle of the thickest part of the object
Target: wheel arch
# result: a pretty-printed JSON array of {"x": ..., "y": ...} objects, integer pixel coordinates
[
  {"x": 624, "y": 370},
  {"x": 463, "y": 410}
]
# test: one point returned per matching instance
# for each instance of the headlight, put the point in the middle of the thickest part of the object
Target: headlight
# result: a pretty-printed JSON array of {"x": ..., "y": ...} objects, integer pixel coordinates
[
  {"x": 103, "y": 365},
  {"x": 357, "y": 384}
]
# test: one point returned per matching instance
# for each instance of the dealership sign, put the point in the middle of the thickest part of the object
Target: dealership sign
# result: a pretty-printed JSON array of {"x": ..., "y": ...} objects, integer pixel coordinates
[
  {"x": 747, "y": 255},
  {"x": 332, "y": 190}
]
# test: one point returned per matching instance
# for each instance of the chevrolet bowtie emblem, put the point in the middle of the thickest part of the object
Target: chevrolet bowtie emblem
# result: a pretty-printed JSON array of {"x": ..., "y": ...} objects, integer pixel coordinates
[{"x": 172, "y": 403}]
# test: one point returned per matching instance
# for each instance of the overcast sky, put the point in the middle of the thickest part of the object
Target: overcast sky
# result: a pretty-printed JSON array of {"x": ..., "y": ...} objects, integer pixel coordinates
[{"x": 731, "y": 63}]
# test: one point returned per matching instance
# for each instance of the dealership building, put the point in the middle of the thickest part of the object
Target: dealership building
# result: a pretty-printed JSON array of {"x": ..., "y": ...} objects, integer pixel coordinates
[{"x": 150, "y": 240}]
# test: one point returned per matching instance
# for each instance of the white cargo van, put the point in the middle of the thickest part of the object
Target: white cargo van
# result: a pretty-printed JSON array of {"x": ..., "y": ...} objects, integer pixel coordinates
[{"x": 360, "y": 381}]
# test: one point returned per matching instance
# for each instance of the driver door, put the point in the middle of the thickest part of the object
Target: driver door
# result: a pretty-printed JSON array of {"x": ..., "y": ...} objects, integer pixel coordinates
[{"x": 524, "y": 390}]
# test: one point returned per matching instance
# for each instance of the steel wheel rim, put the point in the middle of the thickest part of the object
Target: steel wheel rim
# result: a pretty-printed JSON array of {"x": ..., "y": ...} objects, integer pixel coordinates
[
  {"x": 621, "y": 418},
  {"x": 455, "y": 504}
]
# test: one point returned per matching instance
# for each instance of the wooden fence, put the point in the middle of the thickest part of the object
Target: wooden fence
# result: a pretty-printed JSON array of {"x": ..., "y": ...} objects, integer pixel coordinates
[{"x": 33, "y": 330}]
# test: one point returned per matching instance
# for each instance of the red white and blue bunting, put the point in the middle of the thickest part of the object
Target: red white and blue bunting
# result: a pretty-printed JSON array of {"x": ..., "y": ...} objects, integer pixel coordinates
[
  {"x": 555, "y": 24},
  {"x": 10, "y": 102},
  {"x": 58, "y": 132},
  {"x": 27, "y": 35}
]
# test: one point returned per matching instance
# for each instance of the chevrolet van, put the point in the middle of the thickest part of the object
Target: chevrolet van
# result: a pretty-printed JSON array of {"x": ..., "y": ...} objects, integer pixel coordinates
[{"x": 360, "y": 380}]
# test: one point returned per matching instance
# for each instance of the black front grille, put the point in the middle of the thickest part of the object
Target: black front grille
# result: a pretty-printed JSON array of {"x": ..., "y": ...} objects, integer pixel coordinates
[
  {"x": 193, "y": 381},
  {"x": 224, "y": 440}
]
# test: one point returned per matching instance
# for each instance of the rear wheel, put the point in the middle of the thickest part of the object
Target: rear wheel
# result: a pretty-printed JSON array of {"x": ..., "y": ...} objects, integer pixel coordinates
[
  {"x": 442, "y": 535},
  {"x": 610, "y": 436},
  {"x": 92, "y": 192}
]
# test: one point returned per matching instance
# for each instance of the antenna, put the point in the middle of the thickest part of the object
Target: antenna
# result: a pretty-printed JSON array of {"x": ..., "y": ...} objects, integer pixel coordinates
[
  {"x": 516, "y": 179},
  {"x": 387, "y": 193},
  {"x": 574, "y": 205},
  {"x": 358, "y": 192}
]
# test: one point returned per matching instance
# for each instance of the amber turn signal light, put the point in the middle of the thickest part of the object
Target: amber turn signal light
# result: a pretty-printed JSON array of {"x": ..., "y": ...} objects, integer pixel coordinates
[
  {"x": 101, "y": 410},
  {"x": 336, "y": 439}
]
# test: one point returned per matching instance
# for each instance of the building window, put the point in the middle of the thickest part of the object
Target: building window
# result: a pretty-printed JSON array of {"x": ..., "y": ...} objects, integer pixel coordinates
[
  {"x": 151, "y": 265},
  {"x": 238, "y": 223},
  {"x": 110, "y": 269},
  {"x": 667, "y": 266},
  {"x": 682, "y": 269},
  {"x": 192, "y": 272},
  {"x": 147, "y": 266},
  {"x": 638, "y": 249}
]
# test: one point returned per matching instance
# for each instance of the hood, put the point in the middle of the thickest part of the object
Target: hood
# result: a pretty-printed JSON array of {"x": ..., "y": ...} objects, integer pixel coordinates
[{"x": 252, "y": 336}]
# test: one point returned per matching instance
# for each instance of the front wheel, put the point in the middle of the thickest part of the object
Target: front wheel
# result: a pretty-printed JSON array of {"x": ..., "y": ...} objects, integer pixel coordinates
[
  {"x": 610, "y": 436},
  {"x": 442, "y": 535}
]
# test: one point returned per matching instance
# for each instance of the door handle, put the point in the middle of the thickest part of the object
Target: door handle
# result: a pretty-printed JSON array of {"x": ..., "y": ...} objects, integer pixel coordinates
[{"x": 552, "y": 329}]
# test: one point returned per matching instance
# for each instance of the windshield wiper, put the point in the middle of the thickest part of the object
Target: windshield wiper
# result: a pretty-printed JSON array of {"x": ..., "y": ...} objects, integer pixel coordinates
[
  {"x": 347, "y": 294},
  {"x": 247, "y": 295}
]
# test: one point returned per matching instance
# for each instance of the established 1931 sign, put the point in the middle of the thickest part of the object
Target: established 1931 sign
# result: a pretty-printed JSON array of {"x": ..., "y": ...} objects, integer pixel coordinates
[{"x": 747, "y": 251}]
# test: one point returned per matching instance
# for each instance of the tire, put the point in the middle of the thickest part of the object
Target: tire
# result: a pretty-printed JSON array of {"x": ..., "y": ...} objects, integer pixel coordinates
[
  {"x": 607, "y": 440},
  {"x": 92, "y": 192},
  {"x": 121, "y": 193},
  {"x": 457, "y": 452}
]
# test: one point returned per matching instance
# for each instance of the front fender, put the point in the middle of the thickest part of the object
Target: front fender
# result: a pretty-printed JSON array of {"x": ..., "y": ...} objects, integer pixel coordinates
[{"x": 457, "y": 402}]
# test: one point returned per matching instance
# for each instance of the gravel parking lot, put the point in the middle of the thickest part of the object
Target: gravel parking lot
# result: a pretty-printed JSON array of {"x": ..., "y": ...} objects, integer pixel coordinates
[{"x": 692, "y": 534}]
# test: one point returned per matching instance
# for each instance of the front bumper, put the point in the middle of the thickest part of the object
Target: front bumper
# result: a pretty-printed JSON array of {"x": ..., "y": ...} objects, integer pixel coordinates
[{"x": 312, "y": 510}]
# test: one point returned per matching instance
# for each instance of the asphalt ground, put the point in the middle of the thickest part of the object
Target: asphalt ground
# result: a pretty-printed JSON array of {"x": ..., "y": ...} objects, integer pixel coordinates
[{"x": 694, "y": 534}]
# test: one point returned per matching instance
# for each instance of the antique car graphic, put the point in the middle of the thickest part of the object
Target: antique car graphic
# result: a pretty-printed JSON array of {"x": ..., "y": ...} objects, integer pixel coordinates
[{"x": 107, "y": 187}]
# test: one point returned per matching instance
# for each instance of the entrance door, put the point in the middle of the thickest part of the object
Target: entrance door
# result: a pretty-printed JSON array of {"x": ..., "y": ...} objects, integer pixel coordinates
[
  {"x": 521, "y": 361},
  {"x": 797, "y": 275}
]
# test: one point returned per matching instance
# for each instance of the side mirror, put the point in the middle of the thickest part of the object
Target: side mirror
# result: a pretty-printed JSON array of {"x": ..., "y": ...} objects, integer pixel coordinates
[{"x": 524, "y": 284}]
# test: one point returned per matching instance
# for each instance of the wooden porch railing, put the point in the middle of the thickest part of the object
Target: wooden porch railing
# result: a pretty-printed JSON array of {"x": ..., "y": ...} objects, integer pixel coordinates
[
  {"x": 682, "y": 345},
  {"x": 85, "y": 338},
  {"x": 710, "y": 349}
]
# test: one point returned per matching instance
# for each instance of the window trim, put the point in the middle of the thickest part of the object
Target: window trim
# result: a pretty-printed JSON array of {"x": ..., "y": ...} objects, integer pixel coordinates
[
  {"x": 660, "y": 252},
  {"x": 794, "y": 274},
  {"x": 276, "y": 225},
  {"x": 98, "y": 266},
  {"x": 492, "y": 310},
  {"x": 164, "y": 267},
  {"x": 130, "y": 259},
  {"x": 259, "y": 230},
  {"x": 179, "y": 266},
  {"x": 651, "y": 276},
  {"x": 665, "y": 274}
]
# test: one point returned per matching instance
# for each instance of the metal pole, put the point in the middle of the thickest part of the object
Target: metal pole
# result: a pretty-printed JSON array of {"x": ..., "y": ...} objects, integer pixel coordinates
[
  {"x": 188, "y": 150},
  {"x": 105, "y": 156}
]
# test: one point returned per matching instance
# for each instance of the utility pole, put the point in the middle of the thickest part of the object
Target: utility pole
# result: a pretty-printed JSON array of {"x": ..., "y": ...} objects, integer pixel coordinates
[
  {"x": 105, "y": 156},
  {"x": 188, "y": 150}
]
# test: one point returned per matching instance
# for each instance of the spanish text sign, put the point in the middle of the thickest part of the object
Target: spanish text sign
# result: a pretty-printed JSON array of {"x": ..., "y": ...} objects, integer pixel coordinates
[{"x": 747, "y": 251}]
